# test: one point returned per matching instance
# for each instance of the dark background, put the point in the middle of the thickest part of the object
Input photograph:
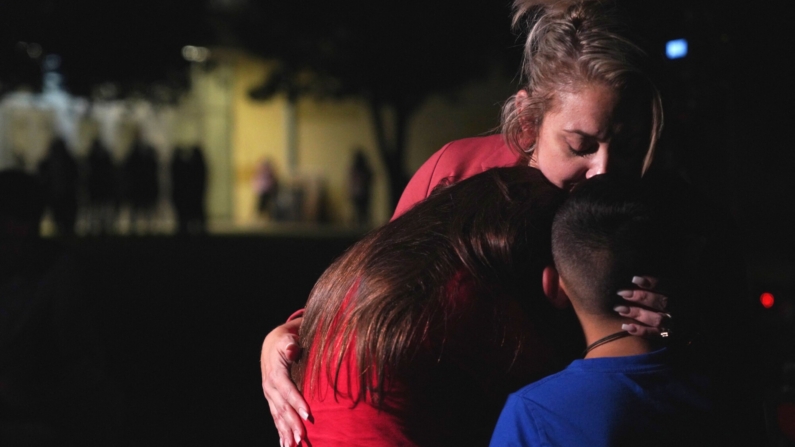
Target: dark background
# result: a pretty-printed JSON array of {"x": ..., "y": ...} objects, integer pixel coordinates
[
  {"x": 728, "y": 103},
  {"x": 182, "y": 324},
  {"x": 180, "y": 321}
]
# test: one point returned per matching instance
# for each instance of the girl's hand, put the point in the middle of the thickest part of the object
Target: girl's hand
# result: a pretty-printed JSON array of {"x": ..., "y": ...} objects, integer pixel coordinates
[
  {"x": 279, "y": 350},
  {"x": 652, "y": 320}
]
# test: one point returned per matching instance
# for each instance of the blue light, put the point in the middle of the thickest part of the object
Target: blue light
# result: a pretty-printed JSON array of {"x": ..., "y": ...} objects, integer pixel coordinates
[{"x": 676, "y": 49}]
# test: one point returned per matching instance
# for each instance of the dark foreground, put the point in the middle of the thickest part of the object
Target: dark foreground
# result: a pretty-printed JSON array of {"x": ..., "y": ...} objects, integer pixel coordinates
[
  {"x": 175, "y": 326},
  {"x": 160, "y": 344}
]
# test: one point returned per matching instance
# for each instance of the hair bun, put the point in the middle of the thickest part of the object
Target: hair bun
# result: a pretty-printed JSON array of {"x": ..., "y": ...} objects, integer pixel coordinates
[{"x": 526, "y": 12}]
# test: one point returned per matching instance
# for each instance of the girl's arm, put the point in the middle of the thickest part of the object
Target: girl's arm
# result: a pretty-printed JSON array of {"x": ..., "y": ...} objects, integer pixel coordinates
[{"x": 279, "y": 350}]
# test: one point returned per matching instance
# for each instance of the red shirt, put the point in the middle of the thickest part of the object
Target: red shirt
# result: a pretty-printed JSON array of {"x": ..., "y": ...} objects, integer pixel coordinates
[
  {"x": 456, "y": 161},
  {"x": 452, "y": 392}
]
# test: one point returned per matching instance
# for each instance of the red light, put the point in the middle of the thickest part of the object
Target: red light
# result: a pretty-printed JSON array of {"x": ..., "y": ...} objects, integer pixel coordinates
[
  {"x": 767, "y": 300},
  {"x": 786, "y": 419}
]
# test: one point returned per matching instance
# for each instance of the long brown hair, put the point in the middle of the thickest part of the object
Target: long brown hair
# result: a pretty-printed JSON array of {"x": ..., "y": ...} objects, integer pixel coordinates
[{"x": 389, "y": 293}]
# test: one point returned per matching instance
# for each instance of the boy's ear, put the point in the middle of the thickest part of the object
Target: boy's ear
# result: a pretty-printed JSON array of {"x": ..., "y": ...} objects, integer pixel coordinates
[{"x": 553, "y": 288}]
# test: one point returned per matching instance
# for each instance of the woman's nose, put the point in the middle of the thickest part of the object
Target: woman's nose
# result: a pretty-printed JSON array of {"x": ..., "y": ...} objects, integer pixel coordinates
[{"x": 599, "y": 163}]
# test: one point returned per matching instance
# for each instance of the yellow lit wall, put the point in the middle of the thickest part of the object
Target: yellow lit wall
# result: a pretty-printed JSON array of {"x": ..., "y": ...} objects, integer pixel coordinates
[
  {"x": 329, "y": 131},
  {"x": 257, "y": 134}
]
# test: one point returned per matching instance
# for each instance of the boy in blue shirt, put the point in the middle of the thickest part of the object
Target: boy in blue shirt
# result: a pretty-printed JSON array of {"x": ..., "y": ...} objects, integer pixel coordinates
[{"x": 626, "y": 390}]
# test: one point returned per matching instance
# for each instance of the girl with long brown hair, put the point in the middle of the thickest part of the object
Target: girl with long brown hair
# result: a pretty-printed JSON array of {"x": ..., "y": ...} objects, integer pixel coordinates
[{"x": 416, "y": 335}]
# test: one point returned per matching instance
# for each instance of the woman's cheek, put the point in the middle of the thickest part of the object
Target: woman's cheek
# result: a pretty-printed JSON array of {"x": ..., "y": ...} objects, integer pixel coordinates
[
  {"x": 569, "y": 171},
  {"x": 553, "y": 175}
]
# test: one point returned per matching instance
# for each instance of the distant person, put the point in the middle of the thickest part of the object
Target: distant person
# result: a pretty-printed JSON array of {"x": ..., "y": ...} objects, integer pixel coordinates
[
  {"x": 626, "y": 391},
  {"x": 58, "y": 172},
  {"x": 188, "y": 189},
  {"x": 266, "y": 186},
  {"x": 360, "y": 187},
  {"x": 54, "y": 390},
  {"x": 179, "y": 168},
  {"x": 142, "y": 185},
  {"x": 197, "y": 209},
  {"x": 102, "y": 190}
]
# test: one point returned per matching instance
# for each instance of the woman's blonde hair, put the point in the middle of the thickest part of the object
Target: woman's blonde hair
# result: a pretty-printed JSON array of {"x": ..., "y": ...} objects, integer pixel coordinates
[{"x": 571, "y": 45}]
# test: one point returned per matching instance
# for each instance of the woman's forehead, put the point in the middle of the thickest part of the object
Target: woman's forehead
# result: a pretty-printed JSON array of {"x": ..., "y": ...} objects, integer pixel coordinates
[{"x": 598, "y": 110}]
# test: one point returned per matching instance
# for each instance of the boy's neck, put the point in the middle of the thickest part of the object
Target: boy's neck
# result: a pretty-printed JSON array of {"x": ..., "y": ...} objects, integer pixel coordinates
[{"x": 620, "y": 347}]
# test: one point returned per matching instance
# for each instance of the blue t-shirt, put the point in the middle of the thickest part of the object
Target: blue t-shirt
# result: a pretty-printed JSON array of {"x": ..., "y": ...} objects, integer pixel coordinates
[{"x": 636, "y": 401}]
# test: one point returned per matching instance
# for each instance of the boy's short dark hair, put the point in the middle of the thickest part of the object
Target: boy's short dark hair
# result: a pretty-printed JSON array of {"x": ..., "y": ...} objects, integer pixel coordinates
[{"x": 609, "y": 230}]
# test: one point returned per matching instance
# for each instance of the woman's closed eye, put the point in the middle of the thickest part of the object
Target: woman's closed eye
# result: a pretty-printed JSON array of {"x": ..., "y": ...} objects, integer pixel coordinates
[
  {"x": 582, "y": 148},
  {"x": 577, "y": 153}
]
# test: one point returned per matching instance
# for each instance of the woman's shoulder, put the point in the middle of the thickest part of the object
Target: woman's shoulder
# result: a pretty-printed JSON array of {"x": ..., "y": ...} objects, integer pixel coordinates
[
  {"x": 456, "y": 161},
  {"x": 476, "y": 150}
]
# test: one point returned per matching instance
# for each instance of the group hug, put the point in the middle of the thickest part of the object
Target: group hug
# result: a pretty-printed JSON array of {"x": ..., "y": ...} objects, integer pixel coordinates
[{"x": 543, "y": 286}]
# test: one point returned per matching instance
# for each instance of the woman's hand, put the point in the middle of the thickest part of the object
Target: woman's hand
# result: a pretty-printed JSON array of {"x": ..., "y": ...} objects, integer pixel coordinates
[
  {"x": 279, "y": 350},
  {"x": 649, "y": 312}
]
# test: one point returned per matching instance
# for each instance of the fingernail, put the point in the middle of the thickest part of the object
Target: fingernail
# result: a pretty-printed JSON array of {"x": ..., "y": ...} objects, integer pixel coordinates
[
  {"x": 621, "y": 309},
  {"x": 281, "y": 442},
  {"x": 625, "y": 293},
  {"x": 640, "y": 281},
  {"x": 304, "y": 415},
  {"x": 628, "y": 327},
  {"x": 297, "y": 438},
  {"x": 291, "y": 345}
]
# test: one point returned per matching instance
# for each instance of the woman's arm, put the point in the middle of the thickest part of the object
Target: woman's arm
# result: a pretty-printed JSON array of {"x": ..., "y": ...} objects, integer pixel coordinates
[{"x": 279, "y": 350}]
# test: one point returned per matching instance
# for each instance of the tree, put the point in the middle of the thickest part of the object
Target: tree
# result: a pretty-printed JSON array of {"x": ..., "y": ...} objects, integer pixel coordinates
[
  {"x": 132, "y": 44},
  {"x": 392, "y": 55}
]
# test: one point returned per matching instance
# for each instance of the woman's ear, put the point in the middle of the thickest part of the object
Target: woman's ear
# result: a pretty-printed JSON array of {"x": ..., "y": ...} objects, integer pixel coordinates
[
  {"x": 521, "y": 97},
  {"x": 527, "y": 123},
  {"x": 553, "y": 288}
]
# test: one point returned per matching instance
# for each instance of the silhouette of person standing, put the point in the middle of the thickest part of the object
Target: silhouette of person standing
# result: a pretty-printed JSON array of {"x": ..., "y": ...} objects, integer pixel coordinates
[
  {"x": 360, "y": 186},
  {"x": 197, "y": 181},
  {"x": 179, "y": 187},
  {"x": 266, "y": 185},
  {"x": 59, "y": 175},
  {"x": 189, "y": 185},
  {"x": 102, "y": 189},
  {"x": 142, "y": 189}
]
